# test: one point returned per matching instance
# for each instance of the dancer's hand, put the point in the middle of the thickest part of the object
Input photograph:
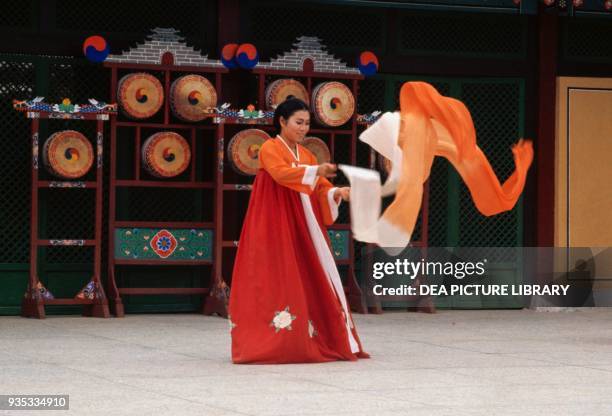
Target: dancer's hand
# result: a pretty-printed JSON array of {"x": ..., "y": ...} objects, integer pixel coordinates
[
  {"x": 344, "y": 193},
  {"x": 326, "y": 170}
]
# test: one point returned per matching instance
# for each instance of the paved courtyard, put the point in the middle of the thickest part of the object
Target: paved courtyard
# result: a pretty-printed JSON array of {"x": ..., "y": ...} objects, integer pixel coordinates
[{"x": 516, "y": 362}]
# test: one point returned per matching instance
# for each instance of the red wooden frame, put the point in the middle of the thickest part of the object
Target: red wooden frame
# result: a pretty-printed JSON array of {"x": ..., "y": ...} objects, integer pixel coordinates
[
  {"x": 214, "y": 300},
  {"x": 34, "y": 306},
  {"x": 218, "y": 292}
]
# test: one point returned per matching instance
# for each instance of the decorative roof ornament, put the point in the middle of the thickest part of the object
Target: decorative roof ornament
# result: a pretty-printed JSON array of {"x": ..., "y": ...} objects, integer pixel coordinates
[
  {"x": 309, "y": 47},
  {"x": 66, "y": 106},
  {"x": 160, "y": 42}
]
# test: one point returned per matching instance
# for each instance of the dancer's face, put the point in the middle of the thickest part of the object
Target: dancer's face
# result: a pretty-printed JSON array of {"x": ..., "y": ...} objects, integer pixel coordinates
[{"x": 295, "y": 128}]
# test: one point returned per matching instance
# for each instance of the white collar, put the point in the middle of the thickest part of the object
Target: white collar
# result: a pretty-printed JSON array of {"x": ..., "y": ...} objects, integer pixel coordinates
[{"x": 296, "y": 155}]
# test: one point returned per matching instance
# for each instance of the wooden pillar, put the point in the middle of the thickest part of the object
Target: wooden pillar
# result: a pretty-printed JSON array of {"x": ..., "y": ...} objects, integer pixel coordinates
[
  {"x": 229, "y": 22},
  {"x": 545, "y": 144}
]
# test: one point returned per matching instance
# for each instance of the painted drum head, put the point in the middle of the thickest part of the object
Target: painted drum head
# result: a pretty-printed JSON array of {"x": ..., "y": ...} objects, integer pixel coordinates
[
  {"x": 68, "y": 154},
  {"x": 140, "y": 95},
  {"x": 281, "y": 89},
  {"x": 243, "y": 150},
  {"x": 333, "y": 103},
  {"x": 192, "y": 97},
  {"x": 166, "y": 154},
  {"x": 318, "y": 148}
]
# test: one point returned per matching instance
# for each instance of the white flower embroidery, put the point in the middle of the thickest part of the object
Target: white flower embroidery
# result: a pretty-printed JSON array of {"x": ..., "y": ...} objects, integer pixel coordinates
[
  {"x": 231, "y": 324},
  {"x": 311, "y": 329},
  {"x": 282, "y": 320}
]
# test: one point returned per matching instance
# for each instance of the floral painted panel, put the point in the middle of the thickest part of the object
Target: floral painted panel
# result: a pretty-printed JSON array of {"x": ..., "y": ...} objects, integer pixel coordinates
[{"x": 163, "y": 244}]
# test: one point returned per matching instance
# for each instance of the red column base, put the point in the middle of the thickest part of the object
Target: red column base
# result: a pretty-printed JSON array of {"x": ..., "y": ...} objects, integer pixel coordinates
[{"x": 32, "y": 309}]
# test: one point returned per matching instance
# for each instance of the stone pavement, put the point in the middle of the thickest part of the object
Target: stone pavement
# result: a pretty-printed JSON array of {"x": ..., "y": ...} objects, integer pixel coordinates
[{"x": 514, "y": 362}]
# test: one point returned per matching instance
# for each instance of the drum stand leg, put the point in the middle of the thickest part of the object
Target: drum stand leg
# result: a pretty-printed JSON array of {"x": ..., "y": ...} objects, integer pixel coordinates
[
  {"x": 116, "y": 304},
  {"x": 218, "y": 299},
  {"x": 424, "y": 304},
  {"x": 213, "y": 305},
  {"x": 355, "y": 296},
  {"x": 97, "y": 310},
  {"x": 117, "y": 308},
  {"x": 32, "y": 309}
]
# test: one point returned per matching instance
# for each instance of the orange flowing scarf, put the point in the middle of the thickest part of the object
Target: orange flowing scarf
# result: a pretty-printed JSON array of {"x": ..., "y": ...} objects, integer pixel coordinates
[{"x": 434, "y": 125}]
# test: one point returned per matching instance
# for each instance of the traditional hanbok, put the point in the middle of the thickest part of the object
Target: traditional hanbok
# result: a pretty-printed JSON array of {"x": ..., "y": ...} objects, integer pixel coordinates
[{"x": 287, "y": 303}]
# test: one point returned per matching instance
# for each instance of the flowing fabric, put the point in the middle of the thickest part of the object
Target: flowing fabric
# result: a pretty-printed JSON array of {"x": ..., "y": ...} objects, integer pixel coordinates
[
  {"x": 431, "y": 125},
  {"x": 285, "y": 303}
]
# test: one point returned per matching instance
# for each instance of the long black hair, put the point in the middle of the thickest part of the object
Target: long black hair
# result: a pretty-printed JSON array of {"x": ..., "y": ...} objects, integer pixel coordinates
[{"x": 286, "y": 110}]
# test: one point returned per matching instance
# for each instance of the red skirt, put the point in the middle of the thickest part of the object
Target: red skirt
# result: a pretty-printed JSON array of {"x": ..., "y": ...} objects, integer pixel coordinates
[{"x": 282, "y": 307}]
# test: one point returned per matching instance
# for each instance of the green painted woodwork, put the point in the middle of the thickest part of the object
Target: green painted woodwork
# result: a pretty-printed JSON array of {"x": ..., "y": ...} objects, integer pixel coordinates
[{"x": 138, "y": 244}]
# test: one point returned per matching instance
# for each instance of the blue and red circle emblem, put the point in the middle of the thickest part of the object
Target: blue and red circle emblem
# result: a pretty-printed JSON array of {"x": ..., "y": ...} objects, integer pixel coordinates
[
  {"x": 247, "y": 56},
  {"x": 367, "y": 63},
  {"x": 96, "y": 48},
  {"x": 228, "y": 55}
]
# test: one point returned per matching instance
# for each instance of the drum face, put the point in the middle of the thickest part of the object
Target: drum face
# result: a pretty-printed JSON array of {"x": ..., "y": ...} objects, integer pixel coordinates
[
  {"x": 140, "y": 95},
  {"x": 243, "y": 150},
  {"x": 192, "y": 97},
  {"x": 334, "y": 103},
  {"x": 68, "y": 154},
  {"x": 281, "y": 89},
  {"x": 166, "y": 154},
  {"x": 318, "y": 148}
]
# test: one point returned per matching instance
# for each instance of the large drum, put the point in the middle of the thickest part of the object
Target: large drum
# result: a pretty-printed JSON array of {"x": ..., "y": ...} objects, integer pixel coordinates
[
  {"x": 68, "y": 154},
  {"x": 243, "y": 150},
  {"x": 318, "y": 148},
  {"x": 192, "y": 97},
  {"x": 165, "y": 154},
  {"x": 281, "y": 89},
  {"x": 333, "y": 103},
  {"x": 140, "y": 95}
]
